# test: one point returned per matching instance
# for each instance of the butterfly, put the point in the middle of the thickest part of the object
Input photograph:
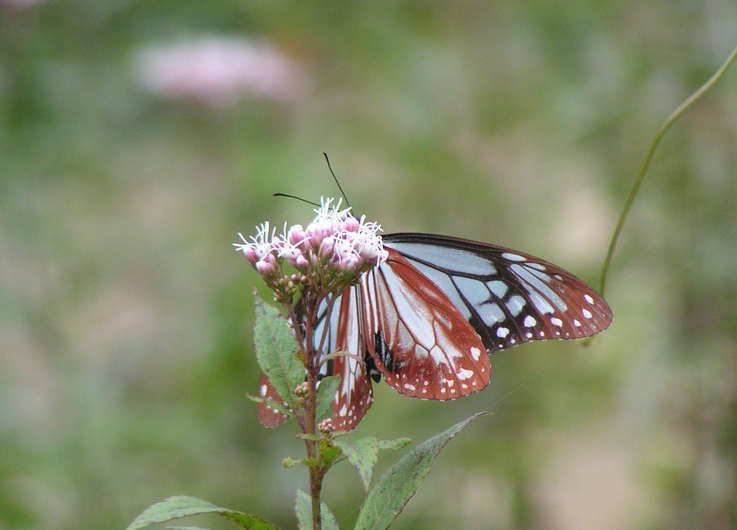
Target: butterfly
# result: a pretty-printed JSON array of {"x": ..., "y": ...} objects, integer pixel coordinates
[{"x": 426, "y": 318}]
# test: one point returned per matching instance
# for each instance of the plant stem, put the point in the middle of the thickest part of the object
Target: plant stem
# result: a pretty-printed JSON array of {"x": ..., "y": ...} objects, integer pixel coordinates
[
  {"x": 643, "y": 170},
  {"x": 313, "y": 453},
  {"x": 310, "y": 426}
]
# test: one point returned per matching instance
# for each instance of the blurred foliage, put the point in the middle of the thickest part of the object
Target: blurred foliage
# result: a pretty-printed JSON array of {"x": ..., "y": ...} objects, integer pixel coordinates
[{"x": 125, "y": 315}]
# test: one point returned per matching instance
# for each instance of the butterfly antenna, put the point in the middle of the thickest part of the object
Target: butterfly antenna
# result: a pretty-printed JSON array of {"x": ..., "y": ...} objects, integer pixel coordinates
[
  {"x": 295, "y": 197},
  {"x": 336, "y": 179}
]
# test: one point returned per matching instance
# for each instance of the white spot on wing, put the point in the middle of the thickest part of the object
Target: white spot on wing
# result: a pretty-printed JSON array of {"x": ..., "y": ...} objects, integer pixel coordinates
[
  {"x": 515, "y": 305},
  {"x": 529, "y": 321},
  {"x": 491, "y": 314}
]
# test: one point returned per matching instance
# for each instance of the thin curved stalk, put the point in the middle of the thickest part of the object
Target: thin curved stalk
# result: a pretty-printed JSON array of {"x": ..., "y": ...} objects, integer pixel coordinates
[{"x": 641, "y": 176}]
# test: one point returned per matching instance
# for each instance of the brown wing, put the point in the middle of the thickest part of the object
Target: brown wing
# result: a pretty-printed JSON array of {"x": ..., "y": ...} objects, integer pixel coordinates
[
  {"x": 267, "y": 415},
  {"x": 420, "y": 342},
  {"x": 355, "y": 395}
]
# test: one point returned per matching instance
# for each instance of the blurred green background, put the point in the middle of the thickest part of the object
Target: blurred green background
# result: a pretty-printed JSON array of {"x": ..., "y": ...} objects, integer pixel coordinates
[{"x": 138, "y": 138}]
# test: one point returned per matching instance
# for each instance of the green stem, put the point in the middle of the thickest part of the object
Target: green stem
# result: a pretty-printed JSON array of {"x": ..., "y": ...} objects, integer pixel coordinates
[{"x": 641, "y": 176}]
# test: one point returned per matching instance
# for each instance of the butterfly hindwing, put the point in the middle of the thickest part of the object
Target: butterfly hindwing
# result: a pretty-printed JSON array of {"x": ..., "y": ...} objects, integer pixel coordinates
[
  {"x": 421, "y": 344},
  {"x": 355, "y": 395},
  {"x": 342, "y": 334},
  {"x": 268, "y": 415}
]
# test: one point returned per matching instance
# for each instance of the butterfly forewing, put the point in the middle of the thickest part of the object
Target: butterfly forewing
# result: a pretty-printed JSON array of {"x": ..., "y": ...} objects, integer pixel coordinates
[
  {"x": 421, "y": 343},
  {"x": 508, "y": 297}
]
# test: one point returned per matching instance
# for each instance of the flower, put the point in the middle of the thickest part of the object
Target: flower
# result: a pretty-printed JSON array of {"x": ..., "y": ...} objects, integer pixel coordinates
[
  {"x": 331, "y": 253},
  {"x": 219, "y": 71}
]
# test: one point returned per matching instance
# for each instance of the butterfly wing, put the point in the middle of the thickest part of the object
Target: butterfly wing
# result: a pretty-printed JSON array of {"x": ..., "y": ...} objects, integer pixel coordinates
[
  {"x": 268, "y": 415},
  {"x": 355, "y": 395},
  {"x": 507, "y": 296},
  {"x": 342, "y": 334},
  {"x": 425, "y": 316},
  {"x": 420, "y": 342}
]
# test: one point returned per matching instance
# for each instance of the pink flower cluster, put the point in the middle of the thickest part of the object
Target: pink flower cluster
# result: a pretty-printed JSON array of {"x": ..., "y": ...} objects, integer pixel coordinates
[
  {"x": 330, "y": 253},
  {"x": 219, "y": 71}
]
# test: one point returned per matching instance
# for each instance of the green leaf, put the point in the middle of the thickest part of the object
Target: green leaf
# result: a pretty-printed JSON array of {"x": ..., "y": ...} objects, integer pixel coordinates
[
  {"x": 303, "y": 509},
  {"x": 290, "y": 461},
  {"x": 328, "y": 452},
  {"x": 183, "y": 506},
  {"x": 363, "y": 454},
  {"x": 247, "y": 522},
  {"x": 397, "y": 486},
  {"x": 394, "y": 445},
  {"x": 326, "y": 395},
  {"x": 276, "y": 350}
]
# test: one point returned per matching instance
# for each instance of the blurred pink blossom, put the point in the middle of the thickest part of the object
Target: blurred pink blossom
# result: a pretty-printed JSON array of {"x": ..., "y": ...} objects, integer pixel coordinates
[
  {"x": 21, "y": 3},
  {"x": 218, "y": 71}
]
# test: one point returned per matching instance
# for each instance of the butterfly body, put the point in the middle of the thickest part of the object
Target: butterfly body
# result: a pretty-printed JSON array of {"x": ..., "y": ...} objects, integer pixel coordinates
[{"x": 426, "y": 317}]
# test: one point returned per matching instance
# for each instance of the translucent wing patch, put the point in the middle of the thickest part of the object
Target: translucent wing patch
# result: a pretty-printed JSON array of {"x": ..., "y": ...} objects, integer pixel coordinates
[
  {"x": 508, "y": 297},
  {"x": 422, "y": 344}
]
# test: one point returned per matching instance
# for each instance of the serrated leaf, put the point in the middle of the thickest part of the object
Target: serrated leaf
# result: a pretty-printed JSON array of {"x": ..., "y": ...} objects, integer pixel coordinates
[
  {"x": 276, "y": 350},
  {"x": 184, "y": 506},
  {"x": 326, "y": 390},
  {"x": 397, "y": 486},
  {"x": 303, "y": 509},
  {"x": 362, "y": 455}
]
